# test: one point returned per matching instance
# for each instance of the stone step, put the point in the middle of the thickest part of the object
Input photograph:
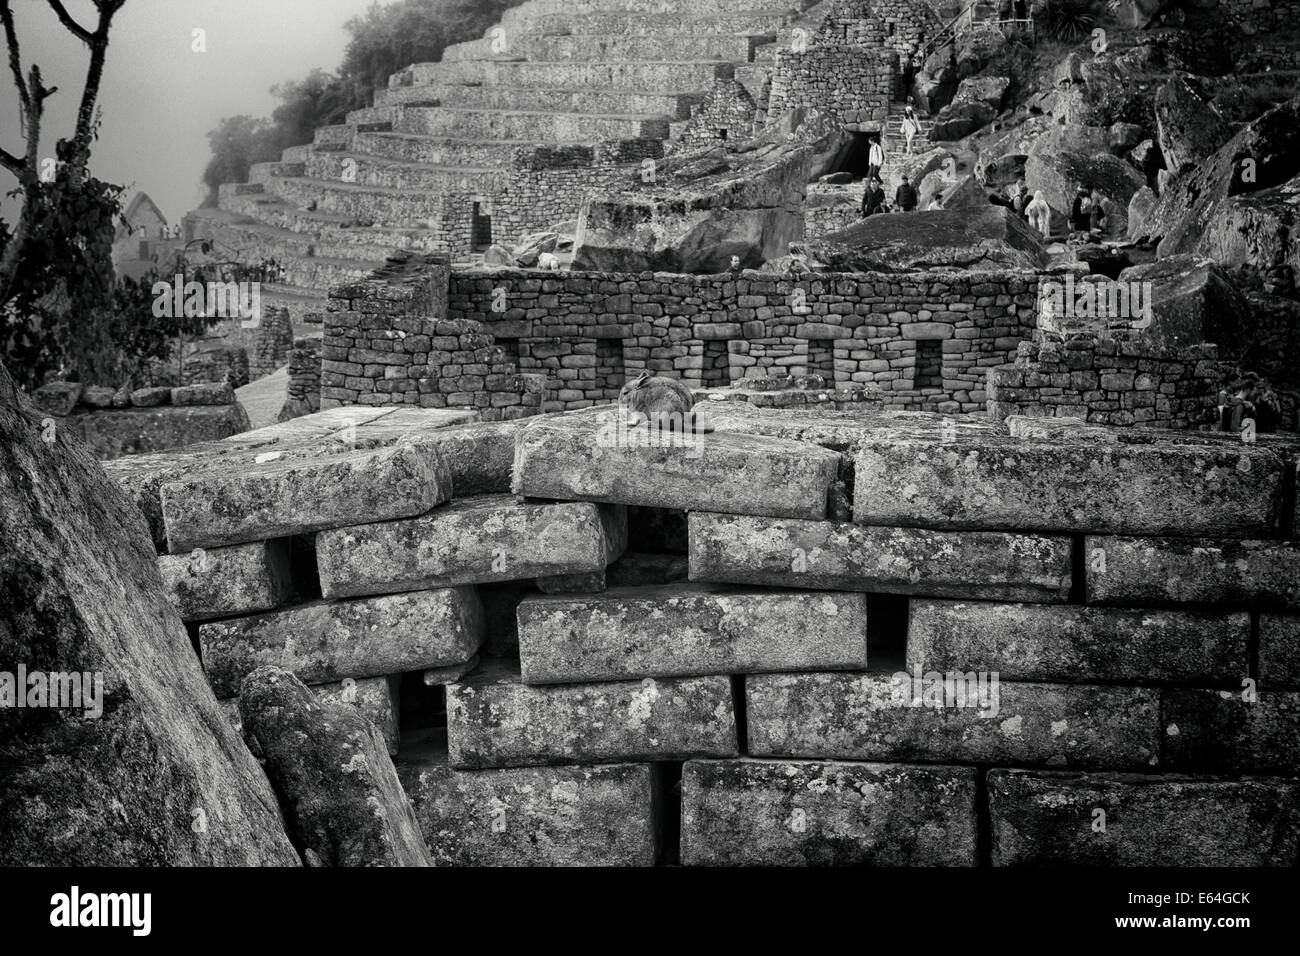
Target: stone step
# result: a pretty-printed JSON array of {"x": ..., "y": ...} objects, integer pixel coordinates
[
  {"x": 801, "y": 813},
  {"x": 440, "y": 150},
  {"x": 496, "y": 720},
  {"x": 688, "y": 23},
  {"x": 682, "y": 630},
  {"x": 826, "y": 555},
  {"x": 386, "y": 204},
  {"x": 675, "y": 105},
  {"x": 249, "y": 240},
  {"x": 530, "y": 816},
  {"x": 361, "y": 169},
  {"x": 476, "y": 540},
  {"x": 261, "y": 172},
  {"x": 323, "y": 642},
  {"x": 595, "y": 459},
  {"x": 1232, "y": 490},
  {"x": 535, "y": 125},
  {"x": 1073, "y": 644},
  {"x": 1046, "y": 818},
  {"x": 617, "y": 74},
  {"x": 932, "y": 717}
]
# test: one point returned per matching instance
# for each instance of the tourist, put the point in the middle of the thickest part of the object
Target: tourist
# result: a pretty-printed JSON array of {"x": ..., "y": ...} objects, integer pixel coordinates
[
  {"x": 1039, "y": 214},
  {"x": 875, "y": 158},
  {"x": 873, "y": 197},
  {"x": 936, "y": 203},
  {"x": 1081, "y": 209},
  {"x": 1020, "y": 195},
  {"x": 905, "y": 197},
  {"x": 1096, "y": 214},
  {"x": 910, "y": 127}
]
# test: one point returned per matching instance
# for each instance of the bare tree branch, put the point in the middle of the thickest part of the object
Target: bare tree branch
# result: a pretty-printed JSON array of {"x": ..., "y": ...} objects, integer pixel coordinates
[
  {"x": 75, "y": 28},
  {"x": 15, "y": 60},
  {"x": 10, "y": 162}
]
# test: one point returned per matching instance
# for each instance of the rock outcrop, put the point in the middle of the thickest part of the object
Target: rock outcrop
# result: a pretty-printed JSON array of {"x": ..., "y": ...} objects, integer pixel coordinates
[
  {"x": 1189, "y": 127},
  {"x": 140, "y": 768}
]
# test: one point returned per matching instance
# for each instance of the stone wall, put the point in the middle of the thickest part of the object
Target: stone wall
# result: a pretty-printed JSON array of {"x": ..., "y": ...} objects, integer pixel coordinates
[
  {"x": 272, "y": 341},
  {"x": 302, "y": 397},
  {"x": 1109, "y": 382},
  {"x": 726, "y": 114},
  {"x": 831, "y": 208},
  {"x": 846, "y": 82},
  {"x": 926, "y": 611}
]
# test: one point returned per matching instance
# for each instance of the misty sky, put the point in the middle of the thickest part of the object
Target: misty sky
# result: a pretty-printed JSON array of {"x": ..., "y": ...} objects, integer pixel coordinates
[{"x": 160, "y": 98}]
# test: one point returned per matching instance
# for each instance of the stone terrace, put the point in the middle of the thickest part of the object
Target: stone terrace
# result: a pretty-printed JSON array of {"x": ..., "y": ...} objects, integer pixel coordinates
[
  {"x": 589, "y": 647},
  {"x": 506, "y": 134}
]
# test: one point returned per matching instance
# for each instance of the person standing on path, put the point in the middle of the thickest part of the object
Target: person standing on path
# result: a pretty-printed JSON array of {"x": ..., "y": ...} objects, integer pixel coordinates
[
  {"x": 875, "y": 158},
  {"x": 911, "y": 126},
  {"x": 905, "y": 198}
]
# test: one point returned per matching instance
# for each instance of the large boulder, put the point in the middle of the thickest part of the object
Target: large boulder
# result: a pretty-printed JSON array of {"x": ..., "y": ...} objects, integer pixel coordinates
[
  {"x": 751, "y": 213},
  {"x": 1188, "y": 127},
  {"x": 1136, "y": 14},
  {"x": 330, "y": 765},
  {"x": 1058, "y": 176},
  {"x": 987, "y": 238},
  {"x": 1264, "y": 155},
  {"x": 975, "y": 104},
  {"x": 139, "y": 767},
  {"x": 1192, "y": 302},
  {"x": 1139, "y": 211},
  {"x": 1259, "y": 228}
]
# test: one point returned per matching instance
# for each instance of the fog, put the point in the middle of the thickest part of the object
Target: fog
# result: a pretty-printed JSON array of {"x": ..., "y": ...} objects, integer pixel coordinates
[{"x": 159, "y": 97}]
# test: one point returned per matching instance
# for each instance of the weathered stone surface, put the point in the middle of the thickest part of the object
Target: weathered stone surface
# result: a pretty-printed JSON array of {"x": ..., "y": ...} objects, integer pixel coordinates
[
  {"x": 718, "y": 472},
  {"x": 206, "y": 393},
  {"x": 1279, "y": 650},
  {"x": 376, "y": 698},
  {"x": 1192, "y": 301},
  {"x": 480, "y": 456},
  {"x": 1188, "y": 126},
  {"x": 139, "y": 431},
  {"x": 531, "y": 816},
  {"x": 471, "y": 541},
  {"x": 151, "y": 397},
  {"x": 1073, "y": 644},
  {"x": 828, "y": 555},
  {"x": 1240, "y": 731},
  {"x": 343, "y": 803},
  {"x": 324, "y": 642},
  {"x": 57, "y": 398},
  {"x": 1140, "y": 205},
  {"x": 686, "y": 630},
  {"x": 989, "y": 239},
  {"x": 158, "y": 778},
  {"x": 586, "y": 582},
  {"x": 437, "y": 676},
  {"x": 225, "y": 582},
  {"x": 786, "y": 813},
  {"x": 1144, "y": 571},
  {"x": 958, "y": 120},
  {"x": 636, "y": 570},
  {"x": 1048, "y": 818},
  {"x": 495, "y": 720},
  {"x": 1126, "y": 489},
  {"x": 872, "y": 717},
  {"x": 282, "y": 498},
  {"x": 97, "y": 396}
]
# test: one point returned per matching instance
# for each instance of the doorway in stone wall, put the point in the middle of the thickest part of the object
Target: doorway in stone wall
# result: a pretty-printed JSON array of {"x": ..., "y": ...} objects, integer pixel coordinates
[
  {"x": 928, "y": 372},
  {"x": 716, "y": 370},
  {"x": 821, "y": 359},
  {"x": 611, "y": 372},
  {"x": 854, "y": 157},
  {"x": 480, "y": 226}
]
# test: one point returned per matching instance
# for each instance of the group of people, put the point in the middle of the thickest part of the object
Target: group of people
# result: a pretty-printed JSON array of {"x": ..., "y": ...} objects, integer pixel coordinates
[
  {"x": 906, "y": 197},
  {"x": 1087, "y": 212}
]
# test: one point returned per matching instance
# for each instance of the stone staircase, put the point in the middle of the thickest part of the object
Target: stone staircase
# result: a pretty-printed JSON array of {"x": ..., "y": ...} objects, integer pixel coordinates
[{"x": 449, "y": 147}]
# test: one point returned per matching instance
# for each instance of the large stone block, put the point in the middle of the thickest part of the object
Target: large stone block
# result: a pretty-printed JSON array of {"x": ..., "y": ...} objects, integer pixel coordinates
[
  {"x": 226, "y": 582},
  {"x": 1001, "y": 484},
  {"x": 686, "y": 630},
  {"x": 532, "y": 816},
  {"x": 1046, "y": 818},
  {"x": 281, "y": 498},
  {"x": 475, "y": 541},
  {"x": 376, "y": 698},
  {"x": 792, "y": 813},
  {"x": 328, "y": 641},
  {"x": 480, "y": 456},
  {"x": 876, "y": 717},
  {"x": 589, "y": 459},
  {"x": 1072, "y": 644},
  {"x": 1279, "y": 650},
  {"x": 833, "y": 555},
  {"x": 495, "y": 720},
  {"x": 1143, "y": 571},
  {"x": 1221, "y": 731}
]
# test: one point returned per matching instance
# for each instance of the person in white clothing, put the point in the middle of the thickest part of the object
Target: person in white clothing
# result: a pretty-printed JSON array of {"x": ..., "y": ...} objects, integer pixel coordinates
[
  {"x": 1040, "y": 214},
  {"x": 910, "y": 127},
  {"x": 875, "y": 158}
]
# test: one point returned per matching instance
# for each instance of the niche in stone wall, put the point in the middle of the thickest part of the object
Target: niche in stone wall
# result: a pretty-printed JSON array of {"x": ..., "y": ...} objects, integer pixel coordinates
[
  {"x": 928, "y": 372},
  {"x": 821, "y": 358},
  {"x": 611, "y": 372},
  {"x": 480, "y": 225},
  {"x": 505, "y": 352},
  {"x": 716, "y": 370},
  {"x": 854, "y": 156}
]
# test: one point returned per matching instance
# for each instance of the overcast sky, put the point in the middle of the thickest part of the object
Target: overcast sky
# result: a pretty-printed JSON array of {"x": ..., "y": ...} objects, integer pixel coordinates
[{"x": 160, "y": 98}]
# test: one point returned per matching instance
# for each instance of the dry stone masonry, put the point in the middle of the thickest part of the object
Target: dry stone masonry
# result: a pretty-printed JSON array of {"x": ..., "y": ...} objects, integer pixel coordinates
[{"x": 807, "y": 636}]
